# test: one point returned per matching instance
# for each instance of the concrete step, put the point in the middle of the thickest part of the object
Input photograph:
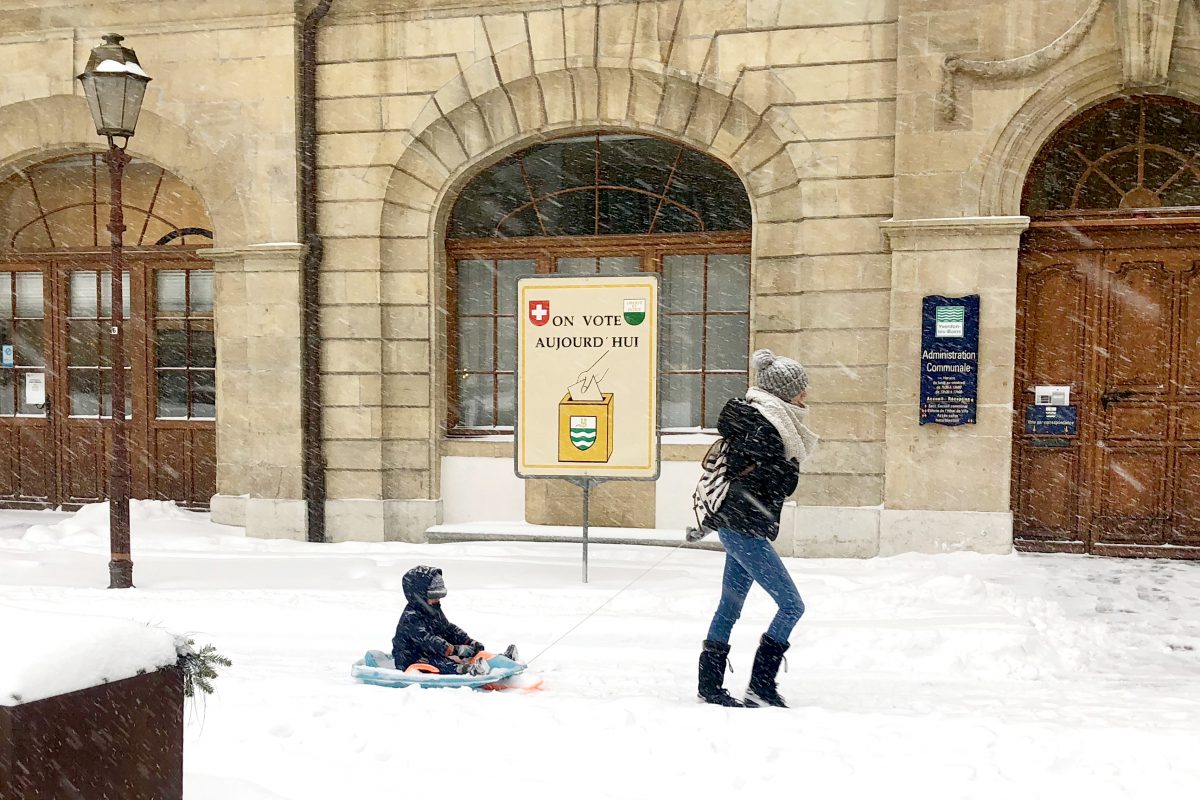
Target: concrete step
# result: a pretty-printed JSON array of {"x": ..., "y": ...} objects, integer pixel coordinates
[{"x": 523, "y": 532}]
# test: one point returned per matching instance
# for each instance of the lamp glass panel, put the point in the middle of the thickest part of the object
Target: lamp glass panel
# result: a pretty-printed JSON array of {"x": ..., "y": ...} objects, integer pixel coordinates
[
  {"x": 91, "y": 92},
  {"x": 110, "y": 92},
  {"x": 135, "y": 92}
]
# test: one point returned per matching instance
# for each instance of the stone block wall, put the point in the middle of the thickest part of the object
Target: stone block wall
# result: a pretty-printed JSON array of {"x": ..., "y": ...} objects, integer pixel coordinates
[
  {"x": 798, "y": 98},
  {"x": 220, "y": 113},
  {"x": 223, "y": 72},
  {"x": 260, "y": 451},
  {"x": 836, "y": 114}
]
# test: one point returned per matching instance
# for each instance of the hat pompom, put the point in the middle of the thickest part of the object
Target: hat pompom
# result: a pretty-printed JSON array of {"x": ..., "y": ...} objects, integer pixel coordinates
[{"x": 762, "y": 359}]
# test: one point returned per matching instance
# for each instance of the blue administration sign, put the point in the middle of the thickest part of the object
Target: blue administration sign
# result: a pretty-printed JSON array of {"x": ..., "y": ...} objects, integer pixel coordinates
[
  {"x": 6, "y": 356},
  {"x": 949, "y": 359}
]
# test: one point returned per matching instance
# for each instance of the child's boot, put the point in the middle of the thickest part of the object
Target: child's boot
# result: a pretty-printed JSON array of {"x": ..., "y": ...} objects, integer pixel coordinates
[{"x": 479, "y": 667}]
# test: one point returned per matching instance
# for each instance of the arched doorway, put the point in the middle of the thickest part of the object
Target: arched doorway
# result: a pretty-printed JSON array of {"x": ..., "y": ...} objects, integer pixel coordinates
[
  {"x": 1108, "y": 303},
  {"x": 602, "y": 204},
  {"x": 54, "y": 303}
]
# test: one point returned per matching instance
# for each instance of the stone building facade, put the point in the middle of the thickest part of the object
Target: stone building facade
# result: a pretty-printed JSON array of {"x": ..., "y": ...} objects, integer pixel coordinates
[{"x": 883, "y": 146}]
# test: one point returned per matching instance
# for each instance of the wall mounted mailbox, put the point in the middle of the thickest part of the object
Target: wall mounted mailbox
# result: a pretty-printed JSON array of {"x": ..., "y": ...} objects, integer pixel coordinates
[{"x": 1052, "y": 395}]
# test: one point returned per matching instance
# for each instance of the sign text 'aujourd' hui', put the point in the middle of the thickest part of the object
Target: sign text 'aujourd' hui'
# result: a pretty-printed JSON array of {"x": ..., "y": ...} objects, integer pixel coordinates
[{"x": 587, "y": 377}]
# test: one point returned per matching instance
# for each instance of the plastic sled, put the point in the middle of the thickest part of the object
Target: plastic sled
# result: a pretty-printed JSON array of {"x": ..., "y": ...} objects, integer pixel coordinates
[{"x": 377, "y": 669}]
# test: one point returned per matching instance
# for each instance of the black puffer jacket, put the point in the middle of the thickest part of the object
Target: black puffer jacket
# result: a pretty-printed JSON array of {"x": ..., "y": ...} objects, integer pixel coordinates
[
  {"x": 423, "y": 632},
  {"x": 762, "y": 476}
]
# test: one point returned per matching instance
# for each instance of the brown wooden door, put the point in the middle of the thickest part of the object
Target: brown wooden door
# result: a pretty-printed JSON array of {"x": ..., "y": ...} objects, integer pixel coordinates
[
  {"x": 1050, "y": 503},
  {"x": 54, "y": 310},
  {"x": 179, "y": 443},
  {"x": 1121, "y": 326},
  {"x": 82, "y": 395},
  {"x": 56, "y": 315},
  {"x": 1146, "y": 448},
  {"x": 27, "y": 467}
]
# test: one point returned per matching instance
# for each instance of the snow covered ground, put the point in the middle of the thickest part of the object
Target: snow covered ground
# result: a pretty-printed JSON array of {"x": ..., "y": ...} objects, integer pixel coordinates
[{"x": 953, "y": 676}]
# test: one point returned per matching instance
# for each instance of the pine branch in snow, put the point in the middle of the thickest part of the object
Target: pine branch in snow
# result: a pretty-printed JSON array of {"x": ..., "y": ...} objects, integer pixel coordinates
[{"x": 199, "y": 667}]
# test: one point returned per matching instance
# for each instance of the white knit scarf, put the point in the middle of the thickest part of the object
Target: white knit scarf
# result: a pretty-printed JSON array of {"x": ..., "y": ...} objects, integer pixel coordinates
[{"x": 798, "y": 441}]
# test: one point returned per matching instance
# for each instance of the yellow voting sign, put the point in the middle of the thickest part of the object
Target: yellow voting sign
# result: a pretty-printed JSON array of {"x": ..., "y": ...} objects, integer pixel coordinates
[{"x": 587, "y": 377}]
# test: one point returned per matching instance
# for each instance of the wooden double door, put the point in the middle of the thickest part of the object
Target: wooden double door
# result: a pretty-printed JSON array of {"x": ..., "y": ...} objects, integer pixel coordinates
[
  {"x": 1114, "y": 313},
  {"x": 55, "y": 385}
]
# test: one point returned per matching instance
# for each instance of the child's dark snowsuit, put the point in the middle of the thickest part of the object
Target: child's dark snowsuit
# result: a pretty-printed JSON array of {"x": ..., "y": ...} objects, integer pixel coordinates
[{"x": 423, "y": 632}]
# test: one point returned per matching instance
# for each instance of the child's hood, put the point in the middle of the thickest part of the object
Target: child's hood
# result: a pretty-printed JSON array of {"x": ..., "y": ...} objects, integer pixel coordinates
[{"x": 417, "y": 582}]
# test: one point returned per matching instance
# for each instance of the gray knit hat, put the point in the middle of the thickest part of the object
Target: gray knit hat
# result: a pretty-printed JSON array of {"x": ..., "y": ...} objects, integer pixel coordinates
[{"x": 778, "y": 375}]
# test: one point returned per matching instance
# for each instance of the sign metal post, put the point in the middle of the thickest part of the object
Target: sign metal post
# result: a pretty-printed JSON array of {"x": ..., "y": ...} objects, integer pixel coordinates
[{"x": 586, "y": 485}]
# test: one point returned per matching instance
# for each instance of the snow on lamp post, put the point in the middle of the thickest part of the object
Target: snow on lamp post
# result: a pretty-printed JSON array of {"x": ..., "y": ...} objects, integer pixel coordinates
[{"x": 115, "y": 85}]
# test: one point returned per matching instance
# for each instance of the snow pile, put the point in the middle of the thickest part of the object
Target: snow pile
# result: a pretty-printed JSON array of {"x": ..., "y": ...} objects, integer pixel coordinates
[
  {"x": 47, "y": 653},
  {"x": 111, "y": 65},
  {"x": 161, "y": 520}
]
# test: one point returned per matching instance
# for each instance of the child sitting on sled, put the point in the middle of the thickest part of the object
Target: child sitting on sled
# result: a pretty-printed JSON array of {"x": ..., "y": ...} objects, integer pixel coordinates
[{"x": 425, "y": 635}]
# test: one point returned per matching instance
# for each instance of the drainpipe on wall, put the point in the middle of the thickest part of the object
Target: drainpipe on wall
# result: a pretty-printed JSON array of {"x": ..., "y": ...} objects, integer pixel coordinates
[{"x": 310, "y": 307}]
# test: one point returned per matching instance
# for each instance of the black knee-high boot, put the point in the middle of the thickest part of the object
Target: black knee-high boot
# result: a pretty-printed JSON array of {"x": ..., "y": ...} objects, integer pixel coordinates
[
  {"x": 762, "y": 690},
  {"x": 713, "y": 660}
]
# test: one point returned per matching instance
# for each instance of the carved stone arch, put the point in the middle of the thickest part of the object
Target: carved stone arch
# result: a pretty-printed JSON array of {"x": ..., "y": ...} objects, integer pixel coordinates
[
  {"x": 1001, "y": 177},
  {"x": 1016, "y": 145},
  {"x": 32, "y": 130},
  {"x": 456, "y": 133}
]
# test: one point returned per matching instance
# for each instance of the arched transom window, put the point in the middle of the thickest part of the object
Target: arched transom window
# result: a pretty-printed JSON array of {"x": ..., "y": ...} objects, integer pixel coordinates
[
  {"x": 63, "y": 205},
  {"x": 602, "y": 204},
  {"x": 1138, "y": 153}
]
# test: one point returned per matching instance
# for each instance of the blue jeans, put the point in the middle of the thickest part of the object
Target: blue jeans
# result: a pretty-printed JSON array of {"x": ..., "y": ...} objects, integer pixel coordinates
[{"x": 749, "y": 559}]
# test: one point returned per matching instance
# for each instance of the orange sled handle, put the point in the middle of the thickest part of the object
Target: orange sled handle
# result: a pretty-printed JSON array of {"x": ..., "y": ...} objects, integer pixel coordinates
[{"x": 419, "y": 667}]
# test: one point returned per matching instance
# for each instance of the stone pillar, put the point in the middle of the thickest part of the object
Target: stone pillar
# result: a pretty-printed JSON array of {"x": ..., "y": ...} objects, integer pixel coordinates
[
  {"x": 948, "y": 488},
  {"x": 259, "y": 447},
  {"x": 412, "y": 306}
]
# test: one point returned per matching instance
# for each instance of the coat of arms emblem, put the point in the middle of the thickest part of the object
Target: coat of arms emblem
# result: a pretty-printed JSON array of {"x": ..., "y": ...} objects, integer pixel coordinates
[
  {"x": 635, "y": 312},
  {"x": 539, "y": 312},
  {"x": 583, "y": 432}
]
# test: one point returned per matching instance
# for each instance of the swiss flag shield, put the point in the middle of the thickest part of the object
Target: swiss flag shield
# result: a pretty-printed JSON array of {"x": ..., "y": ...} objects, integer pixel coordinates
[{"x": 539, "y": 312}]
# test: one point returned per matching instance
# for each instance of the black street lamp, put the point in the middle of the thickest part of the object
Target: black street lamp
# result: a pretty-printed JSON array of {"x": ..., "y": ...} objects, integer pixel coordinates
[{"x": 115, "y": 85}]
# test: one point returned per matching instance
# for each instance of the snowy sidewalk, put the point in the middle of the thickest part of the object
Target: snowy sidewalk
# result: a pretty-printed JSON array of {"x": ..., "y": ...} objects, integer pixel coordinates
[{"x": 954, "y": 676}]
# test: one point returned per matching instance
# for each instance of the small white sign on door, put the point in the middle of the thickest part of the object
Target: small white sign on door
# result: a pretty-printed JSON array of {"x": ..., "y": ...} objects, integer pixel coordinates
[
  {"x": 35, "y": 388},
  {"x": 1052, "y": 395}
]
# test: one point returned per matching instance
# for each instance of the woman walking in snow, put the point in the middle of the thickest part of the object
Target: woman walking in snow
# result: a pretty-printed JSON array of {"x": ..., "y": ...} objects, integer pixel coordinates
[{"x": 767, "y": 441}]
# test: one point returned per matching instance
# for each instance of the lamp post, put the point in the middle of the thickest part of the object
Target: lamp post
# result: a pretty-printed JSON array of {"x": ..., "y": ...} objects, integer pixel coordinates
[{"x": 115, "y": 85}]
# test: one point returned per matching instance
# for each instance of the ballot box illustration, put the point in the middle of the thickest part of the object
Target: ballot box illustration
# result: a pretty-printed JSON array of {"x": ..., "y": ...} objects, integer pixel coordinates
[{"x": 585, "y": 429}]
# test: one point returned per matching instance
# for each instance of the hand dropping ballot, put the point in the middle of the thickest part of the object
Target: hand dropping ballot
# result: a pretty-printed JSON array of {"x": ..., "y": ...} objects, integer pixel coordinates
[
  {"x": 587, "y": 377},
  {"x": 585, "y": 419}
]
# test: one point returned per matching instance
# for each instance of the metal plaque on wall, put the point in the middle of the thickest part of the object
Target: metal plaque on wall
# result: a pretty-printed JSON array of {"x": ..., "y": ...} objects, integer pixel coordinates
[
  {"x": 1051, "y": 420},
  {"x": 949, "y": 359}
]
